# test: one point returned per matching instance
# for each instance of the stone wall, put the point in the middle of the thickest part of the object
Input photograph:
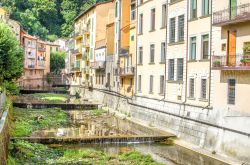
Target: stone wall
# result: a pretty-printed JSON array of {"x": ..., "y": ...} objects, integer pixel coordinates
[
  {"x": 224, "y": 132},
  {"x": 4, "y": 137}
]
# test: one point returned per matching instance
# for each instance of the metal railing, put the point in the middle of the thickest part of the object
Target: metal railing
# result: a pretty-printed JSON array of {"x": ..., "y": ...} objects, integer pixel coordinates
[
  {"x": 238, "y": 13},
  {"x": 98, "y": 65},
  {"x": 2, "y": 102},
  {"x": 127, "y": 70},
  {"x": 238, "y": 61}
]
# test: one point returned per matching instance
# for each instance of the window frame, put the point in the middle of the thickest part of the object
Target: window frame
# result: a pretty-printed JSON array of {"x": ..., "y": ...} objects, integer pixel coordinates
[
  {"x": 229, "y": 92},
  {"x": 172, "y": 29},
  {"x": 202, "y": 46},
  {"x": 171, "y": 65},
  {"x": 152, "y": 54}
]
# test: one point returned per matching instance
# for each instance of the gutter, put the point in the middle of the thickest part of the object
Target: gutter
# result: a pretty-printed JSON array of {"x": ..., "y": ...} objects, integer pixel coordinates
[{"x": 166, "y": 48}]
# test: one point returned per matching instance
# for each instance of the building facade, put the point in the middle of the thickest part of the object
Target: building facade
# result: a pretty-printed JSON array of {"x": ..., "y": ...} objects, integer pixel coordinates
[
  {"x": 230, "y": 62},
  {"x": 151, "y": 36},
  {"x": 90, "y": 35}
]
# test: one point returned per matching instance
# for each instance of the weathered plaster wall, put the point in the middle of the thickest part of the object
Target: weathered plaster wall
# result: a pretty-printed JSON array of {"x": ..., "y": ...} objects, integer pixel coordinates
[{"x": 211, "y": 129}]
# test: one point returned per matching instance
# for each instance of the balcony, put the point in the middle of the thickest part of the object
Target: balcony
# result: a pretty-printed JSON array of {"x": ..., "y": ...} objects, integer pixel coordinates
[
  {"x": 127, "y": 71},
  {"x": 232, "y": 15},
  {"x": 98, "y": 65},
  {"x": 41, "y": 49},
  {"x": 77, "y": 50},
  {"x": 86, "y": 43},
  {"x": 123, "y": 51},
  {"x": 77, "y": 66},
  {"x": 78, "y": 35},
  {"x": 31, "y": 66},
  {"x": 231, "y": 62},
  {"x": 86, "y": 70}
]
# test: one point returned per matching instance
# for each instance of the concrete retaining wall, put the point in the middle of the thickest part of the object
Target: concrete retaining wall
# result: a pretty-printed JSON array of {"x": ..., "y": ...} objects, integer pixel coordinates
[
  {"x": 4, "y": 137},
  {"x": 212, "y": 129}
]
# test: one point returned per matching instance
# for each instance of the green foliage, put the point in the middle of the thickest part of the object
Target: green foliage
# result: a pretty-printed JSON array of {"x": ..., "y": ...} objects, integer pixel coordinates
[
  {"x": 136, "y": 157},
  {"x": 11, "y": 87},
  {"x": 52, "y": 97},
  {"x": 11, "y": 55},
  {"x": 47, "y": 17},
  {"x": 26, "y": 120},
  {"x": 57, "y": 61},
  {"x": 98, "y": 112},
  {"x": 33, "y": 153}
]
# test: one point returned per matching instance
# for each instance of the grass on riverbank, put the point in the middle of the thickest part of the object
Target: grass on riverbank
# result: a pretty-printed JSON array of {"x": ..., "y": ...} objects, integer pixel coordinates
[
  {"x": 26, "y": 121},
  {"x": 30, "y": 153},
  {"x": 52, "y": 97}
]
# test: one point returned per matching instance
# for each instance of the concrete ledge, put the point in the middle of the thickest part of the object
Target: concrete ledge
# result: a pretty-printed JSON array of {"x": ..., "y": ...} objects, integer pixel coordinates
[
  {"x": 92, "y": 140},
  {"x": 63, "y": 106}
]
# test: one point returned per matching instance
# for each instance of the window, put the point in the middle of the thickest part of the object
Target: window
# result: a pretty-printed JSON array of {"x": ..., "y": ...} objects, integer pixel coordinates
[
  {"x": 193, "y": 9},
  {"x": 203, "y": 88},
  {"x": 161, "y": 84},
  {"x": 181, "y": 28},
  {"x": 193, "y": 48},
  {"x": 180, "y": 69},
  {"x": 133, "y": 10},
  {"x": 205, "y": 46},
  {"x": 132, "y": 38},
  {"x": 152, "y": 20},
  {"x": 231, "y": 91},
  {"x": 139, "y": 83},
  {"x": 205, "y": 7},
  {"x": 140, "y": 59},
  {"x": 163, "y": 52},
  {"x": 152, "y": 53},
  {"x": 116, "y": 9},
  {"x": 171, "y": 69},
  {"x": 164, "y": 16},
  {"x": 191, "y": 87},
  {"x": 130, "y": 82},
  {"x": 122, "y": 82},
  {"x": 172, "y": 30},
  {"x": 141, "y": 24},
  {"x": 151, "y": 84}
]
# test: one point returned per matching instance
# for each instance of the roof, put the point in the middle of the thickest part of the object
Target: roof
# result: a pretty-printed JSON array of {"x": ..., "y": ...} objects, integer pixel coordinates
[{"x": 90, "y": 8}]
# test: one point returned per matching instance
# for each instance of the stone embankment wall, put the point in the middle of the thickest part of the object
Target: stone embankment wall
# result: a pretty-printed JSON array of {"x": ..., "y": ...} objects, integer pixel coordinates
[
  {"x": 4, "y": 135},
  {"x": 219, "y": 130}
]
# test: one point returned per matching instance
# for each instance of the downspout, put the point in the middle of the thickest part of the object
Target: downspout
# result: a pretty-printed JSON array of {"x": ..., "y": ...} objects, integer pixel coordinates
[
  {"x": 136, "y": 49},
  {"x": 166, "y": 48},
  {"x": 119, "y": 45},
  {"x": 210, "y": 45},
  {"x": 187, "y": 51}
]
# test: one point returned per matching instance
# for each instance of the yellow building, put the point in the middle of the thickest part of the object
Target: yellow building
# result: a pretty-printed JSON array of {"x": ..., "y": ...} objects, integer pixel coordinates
[
  {"x": 126, "y": 45},
  {"x": 90, "y": 31}
]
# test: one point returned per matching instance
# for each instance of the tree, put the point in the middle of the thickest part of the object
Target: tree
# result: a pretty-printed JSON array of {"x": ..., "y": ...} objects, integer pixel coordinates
[
  {"x": 11, "y": 55},
  {"x": 57, "y": 61}
]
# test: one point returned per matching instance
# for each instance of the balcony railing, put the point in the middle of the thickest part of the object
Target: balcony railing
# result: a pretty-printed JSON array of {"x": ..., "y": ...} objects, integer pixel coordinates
[
  {"x": 41, "y": 49},
  {"x": 31, "y": 66},
  {"x": 231, "y": 62},
  {"x": 231, "y": 15},
  {"x": 86, "y": 42},
  {"x": 127, "y": 71},
  {"x": 124, "y": 51},
  {"x": 98, "y": 65}
]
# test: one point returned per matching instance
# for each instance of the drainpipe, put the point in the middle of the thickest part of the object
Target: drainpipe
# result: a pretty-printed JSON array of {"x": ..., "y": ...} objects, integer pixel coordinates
[
  {"x": 210, "y": 61},
  {"x": 136, "y": 49},
  {"x": 187, "y": 50},
  {"x": 119, "y": 44},
  {"x": 166, "y": 48}
]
